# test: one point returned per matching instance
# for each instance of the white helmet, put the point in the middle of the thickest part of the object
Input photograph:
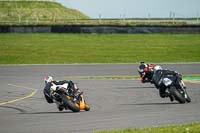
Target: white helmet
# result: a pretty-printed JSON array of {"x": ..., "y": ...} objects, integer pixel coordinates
[
  {"x": 48, "y": 79},
  {"x": 156, "y": 68}
]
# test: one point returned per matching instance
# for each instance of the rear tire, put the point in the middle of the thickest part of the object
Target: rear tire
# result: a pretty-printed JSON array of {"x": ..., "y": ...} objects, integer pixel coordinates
[
  {"x": 71, "y": 105},
  {"x": 177, "y": 95}
]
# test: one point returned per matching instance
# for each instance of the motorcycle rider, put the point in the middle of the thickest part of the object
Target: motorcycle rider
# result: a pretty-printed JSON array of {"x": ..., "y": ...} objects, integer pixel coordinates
[
  {"x": 160, "y": 73},
  {"x": 52, "y": 86},
  {"x": 146, "y": 71}
]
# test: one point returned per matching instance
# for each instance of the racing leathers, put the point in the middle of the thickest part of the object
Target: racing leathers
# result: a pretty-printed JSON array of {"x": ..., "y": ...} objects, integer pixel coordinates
[
  {"x": 158, "y": 75},
  {"x": 146, "y": 72}
]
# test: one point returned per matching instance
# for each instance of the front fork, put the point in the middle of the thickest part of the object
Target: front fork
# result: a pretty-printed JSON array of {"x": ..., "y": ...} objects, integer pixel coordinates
[
  {"x": 182, "y": 84},
  {"x": 183, "y": 88}
]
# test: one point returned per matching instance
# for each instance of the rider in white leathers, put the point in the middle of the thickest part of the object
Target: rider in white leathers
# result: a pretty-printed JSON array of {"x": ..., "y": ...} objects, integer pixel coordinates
[{"x": 52, "y": 86}]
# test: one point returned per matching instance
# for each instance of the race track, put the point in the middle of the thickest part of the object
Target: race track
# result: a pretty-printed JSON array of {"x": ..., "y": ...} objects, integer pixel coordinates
[{"x": 114, "y": 103}]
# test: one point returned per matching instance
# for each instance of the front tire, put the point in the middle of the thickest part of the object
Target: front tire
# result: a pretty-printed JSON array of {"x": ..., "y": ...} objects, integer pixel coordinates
[
  {"x": 188, "y": 99},
  {"x": 87, "y": 107},
  {"x": 177, "y": 95}
]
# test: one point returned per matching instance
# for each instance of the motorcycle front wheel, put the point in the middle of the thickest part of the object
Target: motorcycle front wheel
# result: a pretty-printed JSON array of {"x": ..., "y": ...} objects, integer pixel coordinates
[
  {"x": 87, "y": 107},
  {"x": 188, "y": 99},
  {"x": 177, "y": 95}
]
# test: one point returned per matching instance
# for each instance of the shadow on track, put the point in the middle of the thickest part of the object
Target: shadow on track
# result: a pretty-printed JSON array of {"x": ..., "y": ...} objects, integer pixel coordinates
[
  {"x": 63, "y": 112},
  {"x": 22, "y": 111}
]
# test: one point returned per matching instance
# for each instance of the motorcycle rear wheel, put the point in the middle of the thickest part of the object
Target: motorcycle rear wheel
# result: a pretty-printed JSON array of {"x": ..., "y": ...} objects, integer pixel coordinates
[{"x": 70, "y": 104}]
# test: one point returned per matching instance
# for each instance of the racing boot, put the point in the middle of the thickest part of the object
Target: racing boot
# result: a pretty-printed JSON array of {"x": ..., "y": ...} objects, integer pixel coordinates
[
  {"x": 59, "y": 105},
  {"x": 164, "y": 94},
  {"x": 60, "y": 108},
  {"x": 167, "y": 94}
]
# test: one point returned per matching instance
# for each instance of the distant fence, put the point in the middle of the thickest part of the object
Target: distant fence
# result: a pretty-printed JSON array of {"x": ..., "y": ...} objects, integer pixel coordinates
[
  {"x": 99, "y": 29},
  {"x": 54, "y": 19},
  {"x": 56, "y": 16}
]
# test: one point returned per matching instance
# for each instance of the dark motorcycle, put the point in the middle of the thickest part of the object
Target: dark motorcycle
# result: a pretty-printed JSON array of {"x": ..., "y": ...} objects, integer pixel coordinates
[{"x": 176, "y": 88}]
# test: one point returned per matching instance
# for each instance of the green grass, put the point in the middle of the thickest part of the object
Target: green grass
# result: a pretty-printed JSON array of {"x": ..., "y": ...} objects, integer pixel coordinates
[
  {"x": 98, "y": 48},
  {"x": 185, "y": 128}
]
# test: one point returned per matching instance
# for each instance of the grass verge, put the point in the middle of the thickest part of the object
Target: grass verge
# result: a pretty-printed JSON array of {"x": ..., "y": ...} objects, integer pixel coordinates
[
  {"x": 184, "y": 128},
  {"x": 98, "y": 48},
  {"x": 35, "y": 12}
]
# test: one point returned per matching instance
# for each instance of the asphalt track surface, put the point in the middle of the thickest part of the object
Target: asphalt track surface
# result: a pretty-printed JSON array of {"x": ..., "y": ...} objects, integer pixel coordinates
[{"x": 114, "y": 103}]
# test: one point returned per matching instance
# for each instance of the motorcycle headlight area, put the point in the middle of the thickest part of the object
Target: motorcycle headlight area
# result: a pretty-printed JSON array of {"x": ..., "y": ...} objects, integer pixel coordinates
[{"x": 167, "y": 81}]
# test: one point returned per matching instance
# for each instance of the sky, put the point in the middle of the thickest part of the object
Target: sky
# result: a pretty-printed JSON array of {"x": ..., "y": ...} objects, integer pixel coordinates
[{"x": 135, "y": 8}]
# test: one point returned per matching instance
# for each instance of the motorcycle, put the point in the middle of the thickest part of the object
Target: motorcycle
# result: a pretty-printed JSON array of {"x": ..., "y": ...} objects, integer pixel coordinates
[
  {"x": 69, "y": 99},
  {"x": 176, "y": 88}
]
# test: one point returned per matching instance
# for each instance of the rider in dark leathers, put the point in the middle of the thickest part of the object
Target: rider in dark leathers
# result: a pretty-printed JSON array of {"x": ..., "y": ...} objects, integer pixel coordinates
[
  {"x": 146, "y": 72},
  {"x": 159, "y": 74}
]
